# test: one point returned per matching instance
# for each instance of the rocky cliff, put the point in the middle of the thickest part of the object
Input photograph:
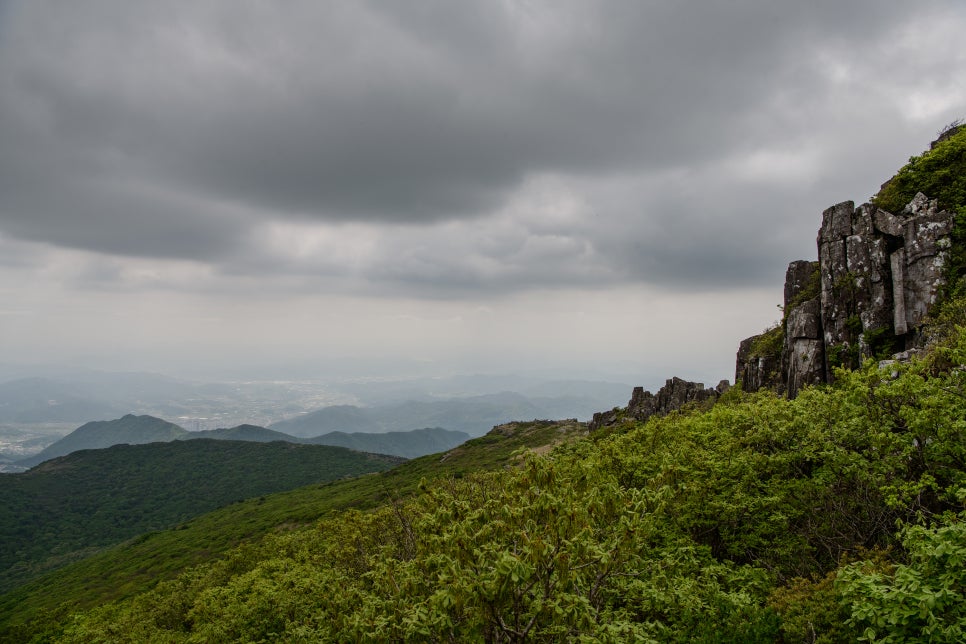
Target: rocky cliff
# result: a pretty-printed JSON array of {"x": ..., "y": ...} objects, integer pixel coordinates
[
  {"x": 674, "y": 395},
  {"x": 876, "y": 277}
]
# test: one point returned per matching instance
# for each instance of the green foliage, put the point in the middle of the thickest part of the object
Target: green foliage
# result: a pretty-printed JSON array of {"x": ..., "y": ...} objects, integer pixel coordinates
[
  {"x": 880, "y": 344},
  {"x": 812, "y": 611},
  {"x": 955, "y": 268},
  {"x": 68, "y": 507},
  {"x": 729, "y": 524},
  {"x": 939, "y": 173},
  {"x": 944, "y": 333},
  {"x": 768, "y": 344},
  {"x": 845, "y": 355},
  {"x": 923, "y": 600},
  {"x": 546, "y": 553}
]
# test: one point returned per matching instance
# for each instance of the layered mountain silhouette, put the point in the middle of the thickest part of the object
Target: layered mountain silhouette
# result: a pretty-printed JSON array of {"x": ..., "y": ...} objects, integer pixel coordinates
[
  {"x": 139, "y": 430},
  {"x": 474, "y": 415}
]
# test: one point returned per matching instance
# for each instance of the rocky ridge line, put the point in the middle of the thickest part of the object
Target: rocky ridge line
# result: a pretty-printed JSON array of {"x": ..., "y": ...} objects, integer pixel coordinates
[
  {"x": 876, "y": 278},
  {"x": 674, "y": 395}
]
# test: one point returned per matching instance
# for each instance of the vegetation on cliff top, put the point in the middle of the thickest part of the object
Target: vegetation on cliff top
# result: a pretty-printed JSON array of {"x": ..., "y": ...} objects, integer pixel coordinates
[{"x": 939, "y": 173}]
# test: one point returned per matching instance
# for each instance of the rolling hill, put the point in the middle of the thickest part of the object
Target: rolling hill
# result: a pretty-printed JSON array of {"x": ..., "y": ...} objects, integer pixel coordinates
[
  {"x": 252, "y": 433},
  {"x": 131, "y": 430},
  {"x": 70, "y": 506},
  {"x": 139, "y": 430}
]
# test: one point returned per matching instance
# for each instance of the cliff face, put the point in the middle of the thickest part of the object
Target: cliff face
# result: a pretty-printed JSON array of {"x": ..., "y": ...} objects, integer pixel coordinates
[{"x": 876, "y": 277}]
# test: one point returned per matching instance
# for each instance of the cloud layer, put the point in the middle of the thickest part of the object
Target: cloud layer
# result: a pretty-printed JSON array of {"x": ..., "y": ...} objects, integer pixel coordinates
[{"x": 452, "y": 151}]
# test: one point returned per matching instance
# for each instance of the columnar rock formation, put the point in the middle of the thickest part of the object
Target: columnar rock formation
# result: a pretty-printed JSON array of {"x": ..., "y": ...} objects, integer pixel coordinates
[
  {"x": 674, "y": 395},
  {"x": 876, "y": 277}
]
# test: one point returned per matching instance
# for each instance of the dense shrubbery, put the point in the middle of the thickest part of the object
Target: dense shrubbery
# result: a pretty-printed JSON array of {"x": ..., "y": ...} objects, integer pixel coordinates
[{"x": 836, "y": 516}]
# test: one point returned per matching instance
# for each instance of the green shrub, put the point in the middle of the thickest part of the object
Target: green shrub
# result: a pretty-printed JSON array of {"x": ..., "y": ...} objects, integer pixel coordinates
[
  {"x": 811, "y": 610},
  {"x": 923, "y": 600},
  {"x": 769, "y": 344}
]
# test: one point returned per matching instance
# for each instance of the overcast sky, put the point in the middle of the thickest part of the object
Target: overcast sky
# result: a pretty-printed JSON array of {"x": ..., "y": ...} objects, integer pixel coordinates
[{"x": 330, "y": 188}]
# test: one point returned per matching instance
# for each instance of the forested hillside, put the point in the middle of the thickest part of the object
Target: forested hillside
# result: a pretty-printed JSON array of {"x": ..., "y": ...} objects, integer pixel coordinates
[{"x": 72, "y": 506}]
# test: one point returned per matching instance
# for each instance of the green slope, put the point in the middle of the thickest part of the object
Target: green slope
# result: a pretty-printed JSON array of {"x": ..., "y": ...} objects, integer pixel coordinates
[
  {"x": 69, "y": 506},
  {"x": 139, "y": 563}
]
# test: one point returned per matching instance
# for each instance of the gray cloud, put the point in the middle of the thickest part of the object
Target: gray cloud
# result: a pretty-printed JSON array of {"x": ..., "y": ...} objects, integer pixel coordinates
[{"x": 188, "y": 130}]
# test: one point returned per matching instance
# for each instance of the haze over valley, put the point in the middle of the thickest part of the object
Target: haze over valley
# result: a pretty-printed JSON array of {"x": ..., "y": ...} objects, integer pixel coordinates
[{"x": 37, "y": 411}]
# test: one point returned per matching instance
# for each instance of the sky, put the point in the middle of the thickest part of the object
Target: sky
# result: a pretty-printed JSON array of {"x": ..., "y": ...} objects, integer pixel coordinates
[{"x": 379, "y": 189}]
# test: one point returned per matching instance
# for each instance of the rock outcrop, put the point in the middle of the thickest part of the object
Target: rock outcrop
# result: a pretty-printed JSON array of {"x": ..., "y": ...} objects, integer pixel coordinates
[
  {"x": 877, "y": 275},
  {"x": 674, "y": 395}
]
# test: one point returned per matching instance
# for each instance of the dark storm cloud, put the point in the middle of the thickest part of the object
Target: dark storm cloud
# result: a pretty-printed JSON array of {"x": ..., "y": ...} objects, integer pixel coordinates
[{"x": 181, "y": 129}]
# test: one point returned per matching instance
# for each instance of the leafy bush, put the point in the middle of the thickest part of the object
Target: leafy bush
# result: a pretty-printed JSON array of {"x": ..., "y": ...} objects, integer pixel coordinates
[
  {"x": 812, "y": 610},
  {"x": 923, "y": 600}
]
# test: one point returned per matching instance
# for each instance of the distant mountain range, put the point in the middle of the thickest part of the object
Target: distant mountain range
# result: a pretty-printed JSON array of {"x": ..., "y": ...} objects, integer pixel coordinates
[
  {"x": 35, "y": 411},
  {"x": 78, "y": 397},
  {"x": 139, "y": 430},
  {"x": 474, "y": 415}
]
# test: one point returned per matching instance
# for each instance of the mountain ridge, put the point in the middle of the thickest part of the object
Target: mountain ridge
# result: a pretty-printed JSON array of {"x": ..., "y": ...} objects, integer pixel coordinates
[
  {"x": 129, "y": 429},
  {"x": 474, "y": 415},
  {"x": 138, "y": 430},
  {"x": 411, "y": 444}
]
